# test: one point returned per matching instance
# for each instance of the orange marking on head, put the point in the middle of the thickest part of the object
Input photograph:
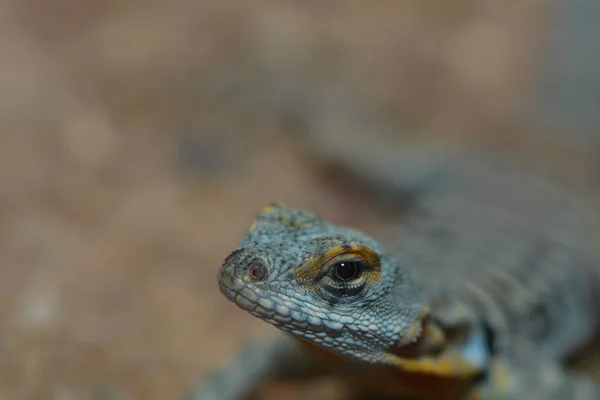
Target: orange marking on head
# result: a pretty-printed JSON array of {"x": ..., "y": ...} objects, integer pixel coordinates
[
  {"x": 271, "y": 208},
  {"x": 289, "y": 220},
  {"x": 292, "y": 223}
]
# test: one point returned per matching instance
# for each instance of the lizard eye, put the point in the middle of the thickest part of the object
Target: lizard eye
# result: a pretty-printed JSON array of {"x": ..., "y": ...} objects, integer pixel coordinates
[
  {"x": 342, "y": 274},
  {"x": 348, "y": 270}
]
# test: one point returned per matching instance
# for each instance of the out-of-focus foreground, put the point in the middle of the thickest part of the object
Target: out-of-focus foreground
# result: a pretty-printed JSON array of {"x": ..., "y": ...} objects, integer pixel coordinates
[{"x": 137, "y": 140}]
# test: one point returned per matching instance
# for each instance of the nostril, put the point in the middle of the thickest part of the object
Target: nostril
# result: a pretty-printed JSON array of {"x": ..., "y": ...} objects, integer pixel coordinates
[{"x": 257, "y": 271}]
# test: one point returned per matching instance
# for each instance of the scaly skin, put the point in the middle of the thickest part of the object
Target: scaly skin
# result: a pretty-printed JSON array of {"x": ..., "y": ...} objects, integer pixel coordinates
[{"x": 488, "y": 288}]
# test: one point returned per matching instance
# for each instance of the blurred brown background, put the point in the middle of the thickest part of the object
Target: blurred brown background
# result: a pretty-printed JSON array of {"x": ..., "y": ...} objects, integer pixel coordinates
[{"x": 137, "y": 140}]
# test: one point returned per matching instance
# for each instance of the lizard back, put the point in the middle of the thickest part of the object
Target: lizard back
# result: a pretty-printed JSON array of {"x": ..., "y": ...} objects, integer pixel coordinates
[{"x": 506, "y": 246}]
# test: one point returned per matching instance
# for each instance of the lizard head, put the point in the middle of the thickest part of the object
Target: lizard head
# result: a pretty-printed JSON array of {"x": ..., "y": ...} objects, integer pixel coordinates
[{"x": 331, "y": 286}]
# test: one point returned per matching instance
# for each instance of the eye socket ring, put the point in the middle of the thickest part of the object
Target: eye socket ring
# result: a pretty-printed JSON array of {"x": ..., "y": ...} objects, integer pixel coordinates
[{"x": 343, "y": 276}]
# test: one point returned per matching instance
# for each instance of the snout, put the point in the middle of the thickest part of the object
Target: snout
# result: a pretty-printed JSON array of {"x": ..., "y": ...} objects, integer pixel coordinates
[
  {"x": 243, "y": 265},
  {"x": 240, "y": 269}
]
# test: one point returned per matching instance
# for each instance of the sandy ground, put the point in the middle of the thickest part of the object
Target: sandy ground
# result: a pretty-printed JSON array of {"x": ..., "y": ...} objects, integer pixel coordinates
[{"x": 138, "y": 139}]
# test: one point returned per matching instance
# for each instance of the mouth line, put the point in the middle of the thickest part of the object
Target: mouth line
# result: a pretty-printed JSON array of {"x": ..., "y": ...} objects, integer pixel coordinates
[
  {"x": 236, "y": 297},
  {"x": 228, "y": 291}
]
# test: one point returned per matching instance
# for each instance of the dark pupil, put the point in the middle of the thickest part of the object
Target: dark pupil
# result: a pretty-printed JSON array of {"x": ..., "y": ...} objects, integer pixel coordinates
[{"x": 347, "y": 270}]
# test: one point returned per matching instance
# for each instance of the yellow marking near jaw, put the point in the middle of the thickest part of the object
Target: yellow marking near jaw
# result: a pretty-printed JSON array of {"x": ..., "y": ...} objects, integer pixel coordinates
[
  {"x": 444, "y": 367},
  {"x": 502, "y": 382},
  {"x": 435, "y": 334},
  {"x": 415, "y": 330},
  {"x": 426, "y": 330}
]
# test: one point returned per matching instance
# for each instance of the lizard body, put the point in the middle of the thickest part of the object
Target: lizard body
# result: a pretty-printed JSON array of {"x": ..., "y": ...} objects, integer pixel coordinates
[
  {"x": 486, "y": 280},
  {"x": 483, "y": 286}
]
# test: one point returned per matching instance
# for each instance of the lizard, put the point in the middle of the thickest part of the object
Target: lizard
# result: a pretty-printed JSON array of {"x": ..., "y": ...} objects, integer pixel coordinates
[
  {"x": 500, "y": 261},
  {"x": 485, "y": 287}
]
